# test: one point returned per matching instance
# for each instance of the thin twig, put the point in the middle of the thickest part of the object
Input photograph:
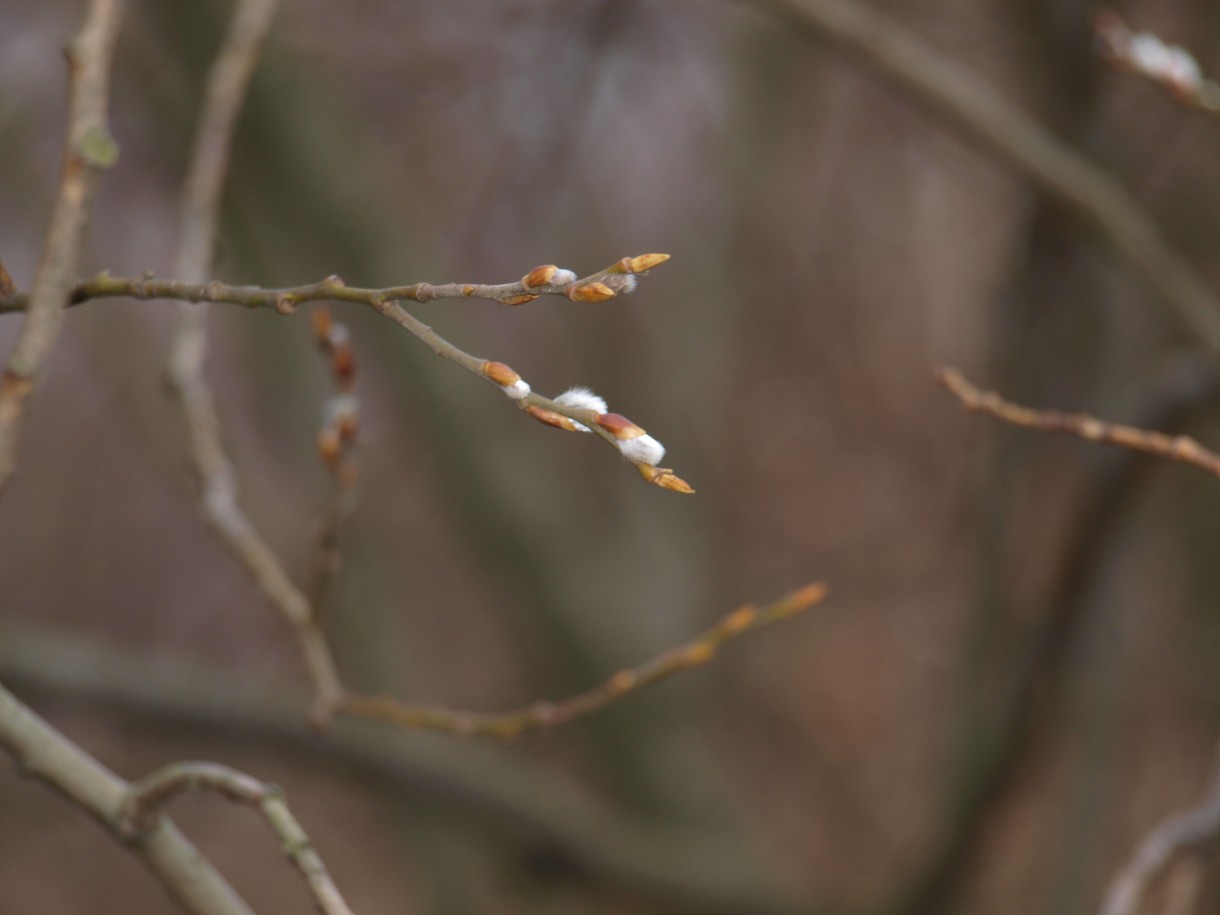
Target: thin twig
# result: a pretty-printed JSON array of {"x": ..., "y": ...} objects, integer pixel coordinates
[
  {"x": 89, "y": 149},
  {"x": 43, "y": 753},
  {"x": 226, "y": 90},
  {"x": 1180, "y": 448},
  {"x": 147, "y": 799},
  {"x": 617, "y": 278},
  {"x": 991, "y": 760},
  {"x": 985, "y": 116},
  {"x": 541, "y": 715},
  {"x": 1189, "y": 833},
  {"x": 190, "y": 350}
]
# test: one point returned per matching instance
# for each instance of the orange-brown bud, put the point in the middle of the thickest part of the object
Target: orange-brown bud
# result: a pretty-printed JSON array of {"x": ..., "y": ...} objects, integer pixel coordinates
[
  {"x": 645, "y": 262},
  {"x": 539, "y": 276},
  {"x": 624, "y": 680},
  {"x": 519, "y": 299},
  {"x": 619, "y": 426},
  {"x": 665, "y": 478},
  {"x": 500, "y": 373},
  {"x": 803, "y": 599},
  {"x": 739, "y": 620},
  {"x": 591, "y": 292},
  {"x": 330, "y": 448},
  {"x": 551, "y": 418},
  {"x": 699, "y": 653},
  {"x": 320, "y": 319}
]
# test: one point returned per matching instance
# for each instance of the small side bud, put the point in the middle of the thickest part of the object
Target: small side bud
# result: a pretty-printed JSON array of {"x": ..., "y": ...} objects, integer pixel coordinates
[
  {"x": 539, "y": 276},
  {"x": 551, "y": 418},
  {"x": 591, "y": 292},
  {"x": 519, "y": 299}
]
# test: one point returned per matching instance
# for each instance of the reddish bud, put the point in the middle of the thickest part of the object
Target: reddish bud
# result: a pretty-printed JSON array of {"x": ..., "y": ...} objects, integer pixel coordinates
[{"x": 619, "y": 426}]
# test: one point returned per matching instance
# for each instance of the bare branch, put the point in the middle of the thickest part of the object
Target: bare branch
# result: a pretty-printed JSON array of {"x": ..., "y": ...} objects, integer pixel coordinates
[
  {"x": 541, "y": 715},
  {"x": 1189, "y": 833},
  {"x": 43, "y": 753},
  {"x": 145, "y": 801},
  {"x": 510, "y": 798},
  {"x": 89, "y": 149},
  {"x": 225, "y": 93},
  {"x": 957, "y": 94},
  {"x": 1180, "y": 448}
]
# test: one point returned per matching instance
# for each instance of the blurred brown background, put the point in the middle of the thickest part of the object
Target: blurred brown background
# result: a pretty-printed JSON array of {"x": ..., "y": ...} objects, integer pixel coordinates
[{"x": 1016, "y": 673}]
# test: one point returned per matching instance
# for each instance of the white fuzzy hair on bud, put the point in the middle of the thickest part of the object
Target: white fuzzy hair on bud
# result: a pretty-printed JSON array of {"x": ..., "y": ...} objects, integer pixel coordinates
[
  {"x": 518, "y": 390},
  {"x": 562, "y": 277},
  {"x": 582, "y": 398},
  {"x": 643, "y": 449}
]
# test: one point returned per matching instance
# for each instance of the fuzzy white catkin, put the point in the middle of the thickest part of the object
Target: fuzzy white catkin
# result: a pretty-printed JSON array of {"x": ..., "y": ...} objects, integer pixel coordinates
[
  {"x": 518, "y": 390},
  {"x": 643, "y": 449},
  {"x": 582, "y": 398},
  {"x": 562, "y": 277}
]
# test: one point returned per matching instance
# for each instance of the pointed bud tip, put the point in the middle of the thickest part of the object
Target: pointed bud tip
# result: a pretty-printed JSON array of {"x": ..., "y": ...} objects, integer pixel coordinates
[
  {"x": 645, "y": 262},
  {"x": 591, "y": 293}
]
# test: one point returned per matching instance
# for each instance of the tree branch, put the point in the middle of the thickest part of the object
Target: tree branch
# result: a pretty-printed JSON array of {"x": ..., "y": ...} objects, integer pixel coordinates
[
  {"x": 533, "y": 814},
  {"x": 541, "y": 715},
  {"x": 1181, "y": 448},
  {"x": 142, "y": 811},
  {"x": 1191, "y": 832},
  {"x": 43, "y": 753},
  {"x": 957, "y": 95},
  {"x": 89, "y": 149}
]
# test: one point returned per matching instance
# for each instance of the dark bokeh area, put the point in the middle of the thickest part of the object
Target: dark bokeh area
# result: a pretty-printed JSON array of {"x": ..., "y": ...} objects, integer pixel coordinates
[{"x": 1015, "y": 675}]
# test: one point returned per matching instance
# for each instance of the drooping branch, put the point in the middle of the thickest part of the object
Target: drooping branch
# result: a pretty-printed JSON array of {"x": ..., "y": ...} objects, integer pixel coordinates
[
  {"x": 89, "y": 149},
  {"x": 1181, "y": 448},
  {"x": 956, "y": 94},
  {"x": 147, "y": 799}
]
